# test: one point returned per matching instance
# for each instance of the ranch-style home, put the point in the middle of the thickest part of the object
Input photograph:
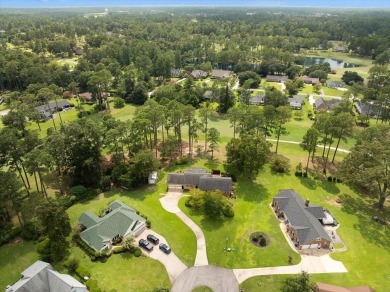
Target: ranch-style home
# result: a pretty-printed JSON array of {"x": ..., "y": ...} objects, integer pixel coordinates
[
  {"x": 257, "y": 99},
  {"x": 220, "y": 74},
  {"x": 198, "y": 74},
  {"x": 276, "y": 78},
  {"x": 46, "y": 111},
  {"x": 198, "y": 178},
  {"x": 335, "y": 84},
  {"x": 302, "y": 220},
  {"x": 309, "y": 80},
  {"x": 119, "y": 221},
  {"x": 324, "y": 104}
]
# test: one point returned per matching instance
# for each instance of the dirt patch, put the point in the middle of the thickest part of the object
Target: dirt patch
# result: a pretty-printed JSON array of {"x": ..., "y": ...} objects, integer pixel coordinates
[
  {"x": 334, "y": 202},
  {"x": 17, "y": 240}
]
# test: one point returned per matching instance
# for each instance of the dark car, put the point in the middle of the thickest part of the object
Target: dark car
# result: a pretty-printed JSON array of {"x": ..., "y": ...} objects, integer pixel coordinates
[
  {"x": 145, "y": 244},
  {"x": 165, "y": 248},
  {"x": 153, "y": 239}
]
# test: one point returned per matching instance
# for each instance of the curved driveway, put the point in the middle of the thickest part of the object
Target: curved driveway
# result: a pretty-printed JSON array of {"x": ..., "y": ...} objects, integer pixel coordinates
[
  {"x": 226, "y": 280},
  {"x": 169, "y": 203}
]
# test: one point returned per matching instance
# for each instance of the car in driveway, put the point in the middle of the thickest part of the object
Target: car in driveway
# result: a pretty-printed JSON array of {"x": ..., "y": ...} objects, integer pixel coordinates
[
  {"x": 145, "y": 244},
  {"x": 153, "y": 239},
  {"x": 165, "y": 248}
]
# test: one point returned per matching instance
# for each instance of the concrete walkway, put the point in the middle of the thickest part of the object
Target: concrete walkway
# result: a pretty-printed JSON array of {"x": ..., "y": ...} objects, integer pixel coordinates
[
  {"x": 310, "y": 264},
  {"x": 218, "y": 279},
  {"x": 170, "y": 203}
]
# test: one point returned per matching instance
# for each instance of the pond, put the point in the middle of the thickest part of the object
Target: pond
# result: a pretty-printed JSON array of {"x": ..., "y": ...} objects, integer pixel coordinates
[{"x": 334, "y": 64}]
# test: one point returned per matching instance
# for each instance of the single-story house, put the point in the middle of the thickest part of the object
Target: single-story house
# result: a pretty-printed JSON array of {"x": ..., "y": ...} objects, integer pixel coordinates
[
  {"x": 152, "y": 178},
  {"x": 120, "y": 222},
  {"x": 219, "y": 74},
  {"x": 340, "y": 49},
  {"x": 46, "y": 110},
  {"x": 199, "y": 178},
  {"x": 325, "y": 105},
  {"x": 78, "y": 51},
  {"x": 295, "y": 105},
  {"x": 175, "y": 72},
  {"x": 257, "y": 99},
  {"x": 302, "y": 221},
  {"x": 42, "y": 277},
  {"x": 323, "y": 287},
  {"x": 369, "y": 108},
  {"x": 335, "y": 84},
  {"x": 309, "y": 80},
  {"x": 276, "y": 78},
  {"x": 295, "y": 100},
  {"x": 208, "y": 95},
  {"x": 198, "y": 74},
  {"x": 86, "y": 96}
]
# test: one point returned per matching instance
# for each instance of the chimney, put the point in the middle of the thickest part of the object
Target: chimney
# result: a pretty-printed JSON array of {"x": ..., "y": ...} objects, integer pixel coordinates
[{"x": 307, "y": 202}]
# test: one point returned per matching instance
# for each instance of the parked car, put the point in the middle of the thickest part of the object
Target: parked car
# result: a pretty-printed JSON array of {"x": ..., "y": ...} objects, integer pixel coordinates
[
  {"x": 165, "y": 248},
  {"x": 153, "y": 239},
  {"x": 145, "y": 244}
]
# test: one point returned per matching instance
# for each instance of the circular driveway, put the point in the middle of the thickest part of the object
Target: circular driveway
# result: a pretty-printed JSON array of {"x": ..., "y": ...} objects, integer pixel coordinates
[{"x": 218, "y": 279}]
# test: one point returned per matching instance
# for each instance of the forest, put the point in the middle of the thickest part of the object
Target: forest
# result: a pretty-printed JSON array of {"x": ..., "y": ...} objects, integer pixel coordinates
[{"x": 144, "y": 57}]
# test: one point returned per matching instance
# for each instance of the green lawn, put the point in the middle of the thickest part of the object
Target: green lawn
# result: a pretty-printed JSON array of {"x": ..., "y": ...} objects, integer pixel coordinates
[
  {"x": 14, "y": 259},
  {"x": 307, "y": 89},
  {"x": 332, "y": 91}
]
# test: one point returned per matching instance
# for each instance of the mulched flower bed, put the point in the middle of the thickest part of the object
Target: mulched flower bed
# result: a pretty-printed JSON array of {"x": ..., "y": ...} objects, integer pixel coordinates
[{"x": 259, "y": 239}]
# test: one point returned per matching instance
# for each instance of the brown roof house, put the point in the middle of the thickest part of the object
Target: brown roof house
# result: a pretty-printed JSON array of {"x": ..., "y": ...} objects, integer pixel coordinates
[
  {"x": 302, "y": 221},
  {"x": 42, "y": 277},
  {"x": 325, "y": 104},
  {"x": 199, "y": 178},
  {"x": 309, "y": 80},
  {"x": 323, "y": 287},
  {"x": 335, "y": 84},
  {"x": 219, "y": 74},
  {"x": 276, "y": 78},
  {"x": 198, "y": 74}
]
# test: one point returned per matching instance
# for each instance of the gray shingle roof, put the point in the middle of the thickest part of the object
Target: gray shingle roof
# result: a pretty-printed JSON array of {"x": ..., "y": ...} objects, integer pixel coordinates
[
  {"x": 52, "y": 105},
  {"x": 223, "y": 184},
  {"x": 121, "y": 219},
  {"x": 41, "y": 277},
  {"x": 328, "y": 104},
  {"x": 276, "y": 78},
  {"x": 198, "y": 177},
  {"x": 220, "y": 73},
  {"x": 333, "y": 83},
  {"x": 302, "y": 220},
  {"x": 88, "y": 219},
  {"x": 257, "y": 99}
]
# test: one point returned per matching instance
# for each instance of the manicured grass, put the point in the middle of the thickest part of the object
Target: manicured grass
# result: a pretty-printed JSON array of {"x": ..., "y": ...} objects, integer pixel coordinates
[
  {"x": 368, "y": 242},
  {"x": 271, "y": 283},
  {"x": 123, "y": 114},
  {"x": 202, "y": 289},
  {"x": 307, "y": 89},
  {"x": 123, "y": 272},
  {"x": 14, "y": 259},
  {"x": 332, "y": 91},
  {"x": 146, "y": 200}
]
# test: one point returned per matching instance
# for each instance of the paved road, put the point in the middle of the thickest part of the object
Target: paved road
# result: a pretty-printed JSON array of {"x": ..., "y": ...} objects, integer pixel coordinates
[
  {"x": 319, "y": 145},
  {"x": 169, "y": 203},
  {"x": 309, "y": 263},
  {"x": 218, "y": 279},
  {"x": 172, "y": 263}
]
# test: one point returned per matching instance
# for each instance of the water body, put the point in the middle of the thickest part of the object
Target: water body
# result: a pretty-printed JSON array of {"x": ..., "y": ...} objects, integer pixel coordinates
[{"x": 334, "y": 64}]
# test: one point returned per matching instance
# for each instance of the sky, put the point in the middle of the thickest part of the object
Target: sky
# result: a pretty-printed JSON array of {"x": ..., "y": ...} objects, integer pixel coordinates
[{"x": 269, "y": 3}]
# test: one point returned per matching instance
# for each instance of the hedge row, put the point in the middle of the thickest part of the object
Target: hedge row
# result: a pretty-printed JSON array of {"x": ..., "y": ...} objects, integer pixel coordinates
[
  {"x": 11, "y": 234},
  {"x": 85, "y": 247}
]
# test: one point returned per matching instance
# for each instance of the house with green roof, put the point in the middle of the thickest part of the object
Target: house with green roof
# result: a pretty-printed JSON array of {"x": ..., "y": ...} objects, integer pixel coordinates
[{"x": 119, "y": 222}]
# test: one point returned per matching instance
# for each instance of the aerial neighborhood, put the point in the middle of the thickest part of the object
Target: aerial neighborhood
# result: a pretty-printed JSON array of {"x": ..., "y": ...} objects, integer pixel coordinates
[{"x": 194, "y": 148}]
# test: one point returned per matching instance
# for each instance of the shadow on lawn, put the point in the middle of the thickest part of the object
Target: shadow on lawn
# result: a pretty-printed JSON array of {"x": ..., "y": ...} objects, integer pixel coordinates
[
  {"x": 309, "y": 183},
  {"x": 251, "y": 191},
  {"x": 330, "y": 187},
  {"x": 365, "y": 210}
]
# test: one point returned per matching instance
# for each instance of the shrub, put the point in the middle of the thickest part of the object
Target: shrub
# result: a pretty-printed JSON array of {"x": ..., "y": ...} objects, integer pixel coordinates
[
  {"x": 82, "y": 272},
  {"x": 183, "y": 160},
  {"x": 339, "y": 180},
  {"x": 334, "y": 179},
  {"x": 305, "y": 174},
  {"x": 77, "y": 191},
  {"x": 137, "y": 252},
  {"x": 9, "y": 233},
  {"x": 71, "y": 264},
  {"x": 263, "y": 241},
  {"x": 279, "y": 164},
  {"x": 118, "y": 249},
  {"x": 330, "y": 178},
  {"x": 93, "y": 286},
  {"x": 105, "y": 183},
  {"x": 228, "y": 211},
  {"x": 255, "y": 238},
  {"x": 148, "y": 224},
  {"x": 119, "y": 102}
]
